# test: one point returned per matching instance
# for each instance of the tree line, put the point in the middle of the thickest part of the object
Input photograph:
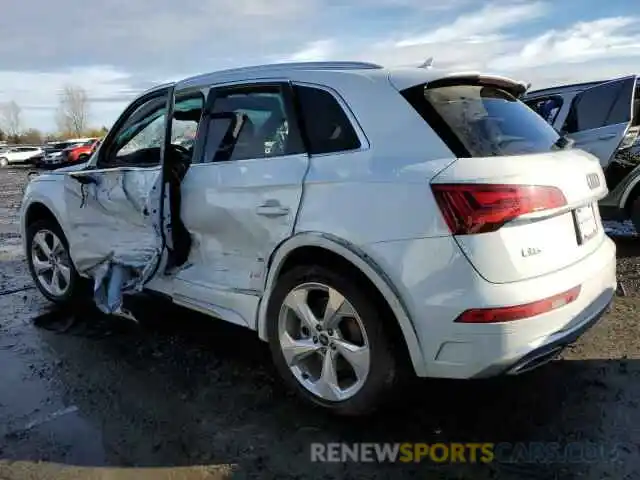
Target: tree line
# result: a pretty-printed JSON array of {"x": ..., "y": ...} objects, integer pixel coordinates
[{"x": 72, "y": 120}]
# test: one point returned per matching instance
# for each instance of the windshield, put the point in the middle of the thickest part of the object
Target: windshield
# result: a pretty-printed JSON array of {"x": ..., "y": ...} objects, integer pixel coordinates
[{"x": 482, "y": 121}]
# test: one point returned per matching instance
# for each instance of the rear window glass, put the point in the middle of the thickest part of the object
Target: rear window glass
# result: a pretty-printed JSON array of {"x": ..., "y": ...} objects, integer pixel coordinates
[{"x": 482, "y": 121}]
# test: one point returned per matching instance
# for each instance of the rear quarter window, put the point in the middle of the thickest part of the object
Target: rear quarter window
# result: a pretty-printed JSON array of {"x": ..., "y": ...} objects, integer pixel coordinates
[
  {"x": 327, "y": 126},
  {"x": 481, "y": 121}
]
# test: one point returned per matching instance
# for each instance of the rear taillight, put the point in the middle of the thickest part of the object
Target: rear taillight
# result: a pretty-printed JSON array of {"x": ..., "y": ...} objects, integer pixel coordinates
[
  {"x": 481, "y": 208},
  {"x": 518, "y": 312}
]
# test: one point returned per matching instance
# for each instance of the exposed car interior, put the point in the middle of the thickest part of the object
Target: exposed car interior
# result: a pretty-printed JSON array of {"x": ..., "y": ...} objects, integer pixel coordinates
[{"x": 263, "y": 118}]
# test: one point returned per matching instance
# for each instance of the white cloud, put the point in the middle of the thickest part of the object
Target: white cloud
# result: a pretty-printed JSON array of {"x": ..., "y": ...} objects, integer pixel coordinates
[
  {"x": 146, "y": 33},
  {"x": 313, "y": 51},
  {"x": 489, "y": 20},
  {"x": 585, "y": 41},
  {"x": 416, "y": 5},
  {"x": 119, "y": 47},
  {"x": 600, "y": 49}
]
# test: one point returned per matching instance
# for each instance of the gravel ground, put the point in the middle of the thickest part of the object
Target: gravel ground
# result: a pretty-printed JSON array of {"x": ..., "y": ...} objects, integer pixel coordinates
[{"x": 182, "y": 390}]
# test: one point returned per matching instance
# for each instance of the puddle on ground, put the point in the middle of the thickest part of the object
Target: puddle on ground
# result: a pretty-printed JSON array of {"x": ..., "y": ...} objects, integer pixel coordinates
[
  {"x": 38, "y": 420},
  {"x": 60, "y": 431}
]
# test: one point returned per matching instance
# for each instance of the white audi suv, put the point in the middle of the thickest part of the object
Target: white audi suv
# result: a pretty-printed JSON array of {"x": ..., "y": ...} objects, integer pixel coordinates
[{"x": 365, "y": 222}]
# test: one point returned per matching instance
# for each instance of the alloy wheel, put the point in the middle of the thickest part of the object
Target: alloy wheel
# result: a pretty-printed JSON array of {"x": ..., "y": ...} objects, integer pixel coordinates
[
  {"x": 324, "y": 342},
  {"x": 51, "y": 263}
]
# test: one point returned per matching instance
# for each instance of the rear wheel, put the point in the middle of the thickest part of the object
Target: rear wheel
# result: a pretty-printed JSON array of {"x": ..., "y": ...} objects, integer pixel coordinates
[
  {"x": 328, "y": 342},
  {"x": 4, "y": 162},
  {"x": 49, "y": 262},
  {"x": 83, "y": 158}
]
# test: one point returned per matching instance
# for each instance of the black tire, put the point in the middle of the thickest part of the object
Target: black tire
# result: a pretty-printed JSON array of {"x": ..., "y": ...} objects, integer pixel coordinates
[
  {"x": 83, "y": 158},
  {"x": 77, "y": 286},
  {"x": 383, "y": 367}
]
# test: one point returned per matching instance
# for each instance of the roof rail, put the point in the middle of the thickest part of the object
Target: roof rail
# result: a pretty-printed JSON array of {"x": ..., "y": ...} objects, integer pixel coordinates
[{"x": 344, "y": 65}]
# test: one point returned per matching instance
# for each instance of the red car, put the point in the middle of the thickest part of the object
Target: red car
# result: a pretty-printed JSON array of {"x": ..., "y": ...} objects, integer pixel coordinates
[{"x": 80, "y": 153}]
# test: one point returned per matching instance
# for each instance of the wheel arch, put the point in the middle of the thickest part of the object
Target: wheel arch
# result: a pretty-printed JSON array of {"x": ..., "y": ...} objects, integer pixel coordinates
[
  {"x": 35, "y": 210},
  {"x": 296, "y": 250},
  {"x": 630, "y": 193},
  {"x": 38, "y": 211}
]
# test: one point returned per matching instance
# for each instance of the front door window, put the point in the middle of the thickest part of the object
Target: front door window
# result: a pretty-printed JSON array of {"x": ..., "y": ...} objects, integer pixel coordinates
[{"x": 138, "y": 141}]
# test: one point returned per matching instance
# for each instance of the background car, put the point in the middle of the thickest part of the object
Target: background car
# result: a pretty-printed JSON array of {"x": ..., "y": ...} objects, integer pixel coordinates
[
  {"x": 78, "y": 153},
  {"x": 17, "y": 155},
  {"x": 53, "y": 153},
  {"x": 602, "y": 118}
]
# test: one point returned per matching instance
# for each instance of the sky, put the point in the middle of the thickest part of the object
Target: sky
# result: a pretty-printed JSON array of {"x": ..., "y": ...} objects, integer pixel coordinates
[{"x": 117, "y": 48}]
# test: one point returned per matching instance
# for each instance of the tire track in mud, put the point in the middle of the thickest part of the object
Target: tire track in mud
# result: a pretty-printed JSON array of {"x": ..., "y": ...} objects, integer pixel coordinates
[{"x": 17, "y": 290}]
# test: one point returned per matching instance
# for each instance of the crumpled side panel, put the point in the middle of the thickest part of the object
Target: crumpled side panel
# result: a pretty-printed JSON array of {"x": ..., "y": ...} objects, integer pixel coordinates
[{"x": 115, "y": 236}]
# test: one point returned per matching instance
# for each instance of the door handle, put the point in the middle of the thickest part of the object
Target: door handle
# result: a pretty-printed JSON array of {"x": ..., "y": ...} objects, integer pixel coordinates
[
  {"x": 272, "y": 208},
  {"x": 608, "y": 136}
]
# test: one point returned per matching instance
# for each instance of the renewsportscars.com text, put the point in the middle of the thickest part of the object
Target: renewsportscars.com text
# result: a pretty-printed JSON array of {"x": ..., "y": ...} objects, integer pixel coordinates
[{"x": 459, "y": 452}]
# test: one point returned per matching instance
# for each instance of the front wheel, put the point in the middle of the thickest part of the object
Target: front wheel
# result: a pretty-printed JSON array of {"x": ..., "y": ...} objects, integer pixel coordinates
[
  {"x": 328, "y": 342},
  {"x": 49, "y": 262},
  {"x": 4, "y": 162}
]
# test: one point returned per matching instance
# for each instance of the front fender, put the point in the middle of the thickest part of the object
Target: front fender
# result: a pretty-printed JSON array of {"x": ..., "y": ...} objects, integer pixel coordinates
[
  {"x": 50, "y": 194},
  {"x": 364, "y": 263}
]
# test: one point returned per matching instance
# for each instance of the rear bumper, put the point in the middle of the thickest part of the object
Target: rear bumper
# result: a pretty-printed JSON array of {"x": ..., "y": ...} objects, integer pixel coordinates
[
  {"x": 557, "y": 343},
  {"x": 437, "y": 283}
]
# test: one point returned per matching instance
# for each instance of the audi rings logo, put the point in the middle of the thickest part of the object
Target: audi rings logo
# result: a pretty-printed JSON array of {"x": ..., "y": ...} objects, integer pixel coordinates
[{"x": 593, "y": 180}]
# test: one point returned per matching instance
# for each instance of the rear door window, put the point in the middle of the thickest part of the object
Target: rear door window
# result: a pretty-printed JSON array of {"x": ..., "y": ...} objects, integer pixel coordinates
[
  {"x": 251, "y": 122},
  {"x": 482, "y": 121}
]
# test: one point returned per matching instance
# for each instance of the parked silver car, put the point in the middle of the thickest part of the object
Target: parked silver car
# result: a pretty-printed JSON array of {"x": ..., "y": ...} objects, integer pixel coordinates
[
  {"x": 19, "y": 154},
  {"x": 602, "y": 118}
]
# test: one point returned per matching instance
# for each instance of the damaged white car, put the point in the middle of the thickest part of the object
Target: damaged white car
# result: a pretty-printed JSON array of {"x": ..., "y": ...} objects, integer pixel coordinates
[{"x": 363, "y": 221}]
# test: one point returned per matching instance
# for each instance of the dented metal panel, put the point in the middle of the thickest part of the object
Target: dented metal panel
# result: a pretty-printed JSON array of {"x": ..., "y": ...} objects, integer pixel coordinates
[{"x": 115, "y": 235}]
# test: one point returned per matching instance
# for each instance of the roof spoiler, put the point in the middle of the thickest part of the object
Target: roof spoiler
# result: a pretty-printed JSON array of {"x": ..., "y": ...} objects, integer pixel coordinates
[{"x": 514, "y": 87}]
